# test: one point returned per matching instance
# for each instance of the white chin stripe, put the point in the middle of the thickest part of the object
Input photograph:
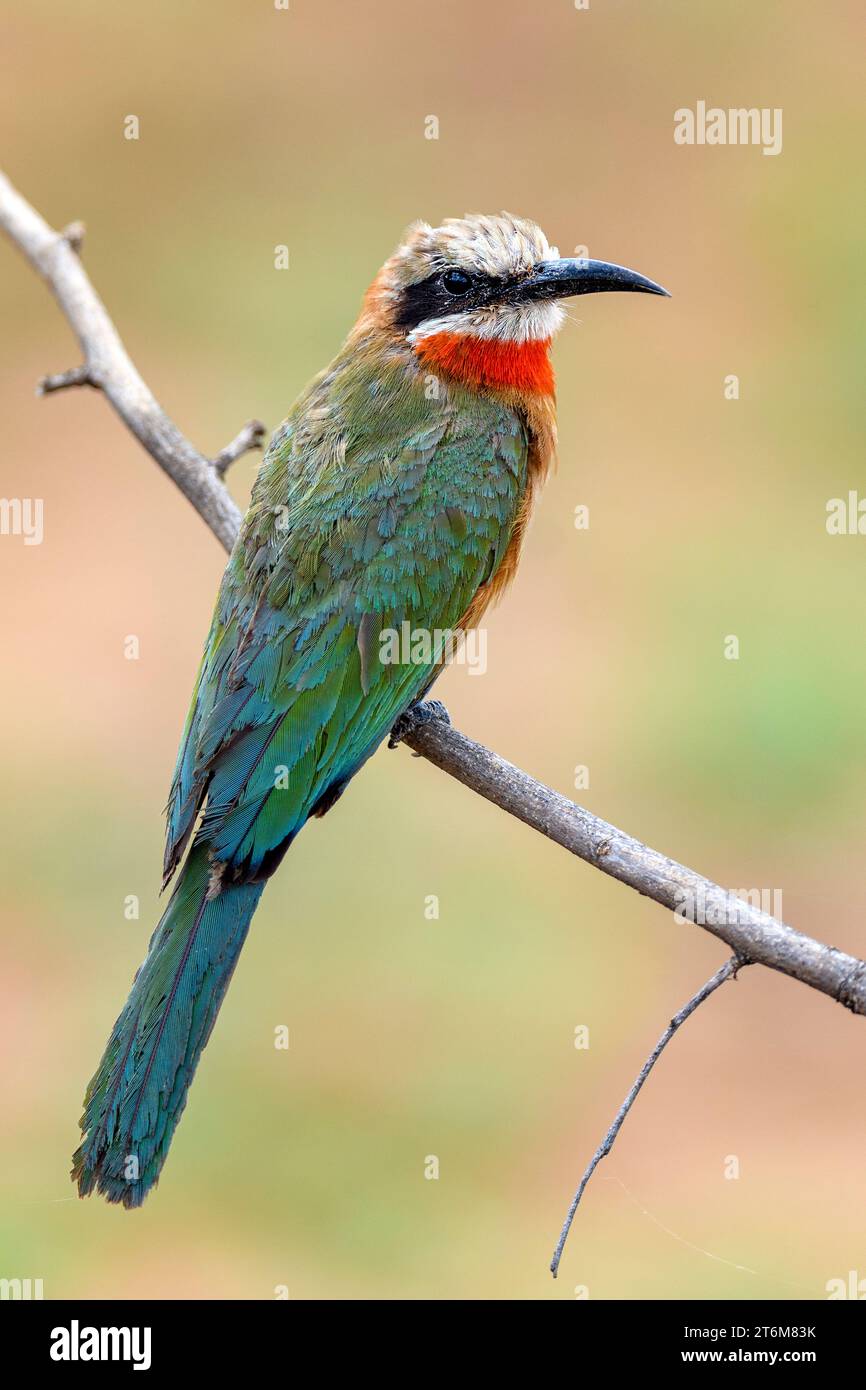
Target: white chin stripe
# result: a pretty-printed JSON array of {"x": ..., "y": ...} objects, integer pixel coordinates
[{"x": 510, "y": 323}]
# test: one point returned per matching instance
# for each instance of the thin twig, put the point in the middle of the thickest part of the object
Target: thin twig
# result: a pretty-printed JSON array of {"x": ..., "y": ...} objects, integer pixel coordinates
[
  {"x": 60, "y": 381},
  {"x": 251, "y": 436},
  {"x": 754, "y": 935},
  {"x": 727, "y": 972}
]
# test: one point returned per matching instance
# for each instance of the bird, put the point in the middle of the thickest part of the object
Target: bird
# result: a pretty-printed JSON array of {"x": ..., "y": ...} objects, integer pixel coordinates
[{"x": 398, "y": 490}]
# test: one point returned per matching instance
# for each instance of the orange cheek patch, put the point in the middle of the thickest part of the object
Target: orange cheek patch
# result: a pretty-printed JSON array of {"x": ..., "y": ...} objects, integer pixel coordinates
[{"x": 490, "y": 362}]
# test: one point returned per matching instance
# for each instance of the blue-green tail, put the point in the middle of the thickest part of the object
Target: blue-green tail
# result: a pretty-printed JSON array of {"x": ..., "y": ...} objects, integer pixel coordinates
[{"x": 139, "y": 1091}]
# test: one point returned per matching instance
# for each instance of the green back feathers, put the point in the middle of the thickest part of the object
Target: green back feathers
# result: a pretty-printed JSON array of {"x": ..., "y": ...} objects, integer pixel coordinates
[{"x": 375, "y": 506}]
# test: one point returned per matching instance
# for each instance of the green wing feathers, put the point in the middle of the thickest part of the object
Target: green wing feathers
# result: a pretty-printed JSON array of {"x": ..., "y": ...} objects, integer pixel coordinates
[{"x": 374, "y": 507}]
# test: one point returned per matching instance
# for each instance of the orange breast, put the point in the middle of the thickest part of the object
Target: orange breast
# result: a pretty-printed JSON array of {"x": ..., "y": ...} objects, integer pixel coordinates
[{"x": 490, "y": 362}]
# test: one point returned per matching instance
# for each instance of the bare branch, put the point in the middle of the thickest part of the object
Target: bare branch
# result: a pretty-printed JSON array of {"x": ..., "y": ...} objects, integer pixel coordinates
[
  {"x": 752, "y": 934},
  {"x": 251, "y": 436},
  {"x": 109, "y": 366},
  {"x": 727, "y": 972}
]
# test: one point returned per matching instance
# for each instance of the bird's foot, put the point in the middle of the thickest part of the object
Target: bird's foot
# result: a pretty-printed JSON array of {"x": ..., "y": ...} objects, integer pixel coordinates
[{"x": 415, "y": 717}]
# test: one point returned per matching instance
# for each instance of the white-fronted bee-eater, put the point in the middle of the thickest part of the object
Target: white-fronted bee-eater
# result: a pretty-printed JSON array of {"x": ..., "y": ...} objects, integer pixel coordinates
[{"x": 398, "y": 491}]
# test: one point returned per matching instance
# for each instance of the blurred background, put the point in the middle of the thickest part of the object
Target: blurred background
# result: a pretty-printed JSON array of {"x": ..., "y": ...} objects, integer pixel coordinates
[{"x": 452, "y": 1037}]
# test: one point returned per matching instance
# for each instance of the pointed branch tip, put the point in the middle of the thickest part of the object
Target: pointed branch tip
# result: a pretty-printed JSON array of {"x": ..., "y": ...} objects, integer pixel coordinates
[{"x": 74, "y": 236}]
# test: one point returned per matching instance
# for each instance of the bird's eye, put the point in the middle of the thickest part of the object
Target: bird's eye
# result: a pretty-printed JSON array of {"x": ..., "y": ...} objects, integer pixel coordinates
[{"x": 456, "y": 281}]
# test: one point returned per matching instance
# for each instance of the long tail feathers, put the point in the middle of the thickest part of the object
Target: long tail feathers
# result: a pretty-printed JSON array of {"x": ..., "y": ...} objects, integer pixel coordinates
[{"x": 139, "y": 1091}]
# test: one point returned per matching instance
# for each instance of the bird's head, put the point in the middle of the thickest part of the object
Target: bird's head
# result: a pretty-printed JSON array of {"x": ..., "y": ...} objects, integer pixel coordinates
[{"x": 480, "y": 298}]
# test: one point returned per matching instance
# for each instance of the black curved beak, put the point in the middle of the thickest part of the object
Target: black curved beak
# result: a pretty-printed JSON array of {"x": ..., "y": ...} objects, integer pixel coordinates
[{"x": 569, "y": 276}]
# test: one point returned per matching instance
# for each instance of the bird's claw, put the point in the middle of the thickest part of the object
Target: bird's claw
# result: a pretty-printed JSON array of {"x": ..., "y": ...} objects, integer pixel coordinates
[{"x": 415, "y": 717}]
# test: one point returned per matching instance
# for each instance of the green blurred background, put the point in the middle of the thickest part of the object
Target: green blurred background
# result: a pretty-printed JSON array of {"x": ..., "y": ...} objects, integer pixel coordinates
[{"x": 453, "y": 1037}]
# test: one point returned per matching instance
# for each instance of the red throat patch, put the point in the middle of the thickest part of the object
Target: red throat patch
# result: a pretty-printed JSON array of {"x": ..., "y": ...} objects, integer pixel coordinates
[{"x": 490, "y": 362}]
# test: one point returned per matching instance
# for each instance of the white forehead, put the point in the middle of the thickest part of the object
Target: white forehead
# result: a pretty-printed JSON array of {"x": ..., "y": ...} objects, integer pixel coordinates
[{"x": 499, "y": 246}]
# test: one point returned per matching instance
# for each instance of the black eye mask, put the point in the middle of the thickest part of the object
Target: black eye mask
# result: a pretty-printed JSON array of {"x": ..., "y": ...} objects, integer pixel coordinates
[{"x": 444, "y": 293}]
